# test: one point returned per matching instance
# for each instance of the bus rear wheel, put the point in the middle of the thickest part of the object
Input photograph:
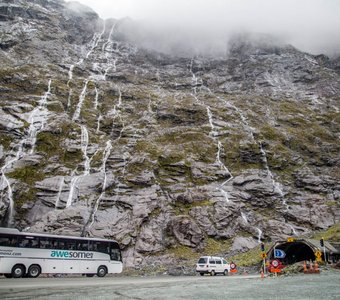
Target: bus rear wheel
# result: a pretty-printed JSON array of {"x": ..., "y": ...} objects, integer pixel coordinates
[
  {"x": 18, "y": 271},
  {"x": 102, "y": 271},
  {"x": 34, "y": 271}
]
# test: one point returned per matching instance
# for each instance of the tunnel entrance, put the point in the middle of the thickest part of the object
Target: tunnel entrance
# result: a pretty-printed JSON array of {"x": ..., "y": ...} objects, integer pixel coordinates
[{"x": 295, "y": 252}]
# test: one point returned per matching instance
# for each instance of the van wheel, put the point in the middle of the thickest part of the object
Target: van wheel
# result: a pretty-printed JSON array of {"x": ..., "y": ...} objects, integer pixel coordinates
[
  {"x": 102, "y": 271},
  {"x": 18, "y": 271},
  {"x": 225, "y": 273},
  {"x": 202, "y": 274},
  {"x": 34, "y": 271},
  {"x": 8, "y": 275},
  {"x": 212, "y": 273},
  {"x": 89, "y": 275}
]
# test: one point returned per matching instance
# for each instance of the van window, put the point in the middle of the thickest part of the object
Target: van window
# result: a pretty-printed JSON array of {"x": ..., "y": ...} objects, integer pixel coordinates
[
  {"x": 202, "y": 260},
  {"x": 218, "y": 262},
  {"x": 212, "y": 261},
  {"x": 224, "y": 261}
]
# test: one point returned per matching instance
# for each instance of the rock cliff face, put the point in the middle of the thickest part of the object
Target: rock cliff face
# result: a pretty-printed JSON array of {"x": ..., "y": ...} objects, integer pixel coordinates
[{"x": 100, "y": 137}]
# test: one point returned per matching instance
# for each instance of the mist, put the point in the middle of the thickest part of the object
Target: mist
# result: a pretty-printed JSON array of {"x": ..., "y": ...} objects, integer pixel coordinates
[{"x": 206, "y": 25}]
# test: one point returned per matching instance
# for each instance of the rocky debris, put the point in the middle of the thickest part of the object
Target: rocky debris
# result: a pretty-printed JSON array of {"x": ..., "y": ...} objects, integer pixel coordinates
[{"x": 293, "y": 269}]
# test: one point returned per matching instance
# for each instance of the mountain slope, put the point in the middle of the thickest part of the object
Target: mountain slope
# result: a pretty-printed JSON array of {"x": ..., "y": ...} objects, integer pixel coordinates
[{"x": 102, "y": 137}]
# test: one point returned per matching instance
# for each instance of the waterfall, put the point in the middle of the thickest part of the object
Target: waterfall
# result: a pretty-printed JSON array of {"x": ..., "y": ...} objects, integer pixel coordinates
[
  {"x": 250, "y": 130},
  {"x": 37, "y": 119},
  {"x": 276, "y": 185},
  {"x": 114, "y": 65},
  {"x": 96, "y": 98},
  {"x": 106, "y": 155},
  {"x": 81, "y": 101},
  {"x": 69, "y": 99},
  {"x": 84, "y": 141},
  {"x": 293, "y": 230},
  {"x": 244, "y": 217},
  {"x": 225, "y": 194},
  {"x": 194, "y": 79},
  {"x": 212, "y": 132},
  {"x": 70, "y": 74},
  {"x": 72, "y": 188},
  {"x": 84, "y": 145},
  {"x": 98, "y": 123},
  {"x": 259, "y": 234},
  {"x": 95, "y": 40},
  {"x": 119, "y": 98},
  {"x": 5, "y": 183},
  {"x": 109, "y": 37}
]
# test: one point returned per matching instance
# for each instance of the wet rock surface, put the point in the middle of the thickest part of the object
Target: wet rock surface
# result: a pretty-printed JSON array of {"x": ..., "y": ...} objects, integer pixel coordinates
[{"x": 102, "y": 137}]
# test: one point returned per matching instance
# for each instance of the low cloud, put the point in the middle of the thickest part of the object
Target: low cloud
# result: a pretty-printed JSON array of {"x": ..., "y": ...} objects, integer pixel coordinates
[{"x": 310, "y": 25}]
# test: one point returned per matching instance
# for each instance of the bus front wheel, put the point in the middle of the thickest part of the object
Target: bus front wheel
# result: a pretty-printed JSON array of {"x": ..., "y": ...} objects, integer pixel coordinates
[
  {"x": 18, "y": 271},
  {"x": 102, "y": 271},
  {"x": 34, "y": 271}
]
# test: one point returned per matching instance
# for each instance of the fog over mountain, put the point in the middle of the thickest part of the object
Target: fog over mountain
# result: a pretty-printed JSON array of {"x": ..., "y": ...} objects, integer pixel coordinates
[{"x": 310, "y": 25}]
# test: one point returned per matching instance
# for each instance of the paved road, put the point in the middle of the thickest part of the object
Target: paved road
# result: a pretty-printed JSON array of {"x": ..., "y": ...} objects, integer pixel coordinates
[{"x": 324, "y": 286}]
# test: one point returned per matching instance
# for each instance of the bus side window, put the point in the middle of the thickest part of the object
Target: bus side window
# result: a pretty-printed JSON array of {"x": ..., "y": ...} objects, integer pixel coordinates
[
  {"x": 103, "y": 247},
  {"x": 52, "y": 243},
  {"x": 22, "y": 242},
  {"x": 95, "y": 246},
  {"x": 83, "y": 246},
  {"x": 44, "y": 244},
  {"x": 62, "y": 245},
  {"x": 8, "y": 241},
  {"x": 70, "y": 245},
  {"x": 90, "y": 246},
  {"x": 35, "y": 243}
]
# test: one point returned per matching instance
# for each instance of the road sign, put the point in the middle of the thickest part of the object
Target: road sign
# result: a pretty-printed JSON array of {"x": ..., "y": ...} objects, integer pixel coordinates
[
  {"x": 232, "y": 266},
  {"x": 275, "y": 263},
  {"x": 275, "y": 270},
  {"x": 318, "y": 259},
  {"x": 290, "y": 240},
  {"x": 278, "y": 253},
  {"x": 318, "y": 253},
  {"x": 263, "y": 255}
]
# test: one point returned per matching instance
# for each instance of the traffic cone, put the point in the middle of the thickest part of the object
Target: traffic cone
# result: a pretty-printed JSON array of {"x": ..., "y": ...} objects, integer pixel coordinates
[
  {"x": 316, "y": 267},
  {"x": 304, "y": 267},
  {"x": 311, "y": 267}
]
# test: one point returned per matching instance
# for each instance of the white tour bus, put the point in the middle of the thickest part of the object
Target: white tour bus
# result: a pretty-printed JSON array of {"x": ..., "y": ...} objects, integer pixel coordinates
[{"x": 30, "y": 254}]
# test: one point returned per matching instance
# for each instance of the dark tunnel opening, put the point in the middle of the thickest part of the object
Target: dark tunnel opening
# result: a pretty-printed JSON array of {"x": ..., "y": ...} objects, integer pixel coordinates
[{"x": 295, "y": 252}]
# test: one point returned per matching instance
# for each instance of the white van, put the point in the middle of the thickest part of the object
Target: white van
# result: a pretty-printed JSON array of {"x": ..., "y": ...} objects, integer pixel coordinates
[{"x": 212, "y": 265}]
